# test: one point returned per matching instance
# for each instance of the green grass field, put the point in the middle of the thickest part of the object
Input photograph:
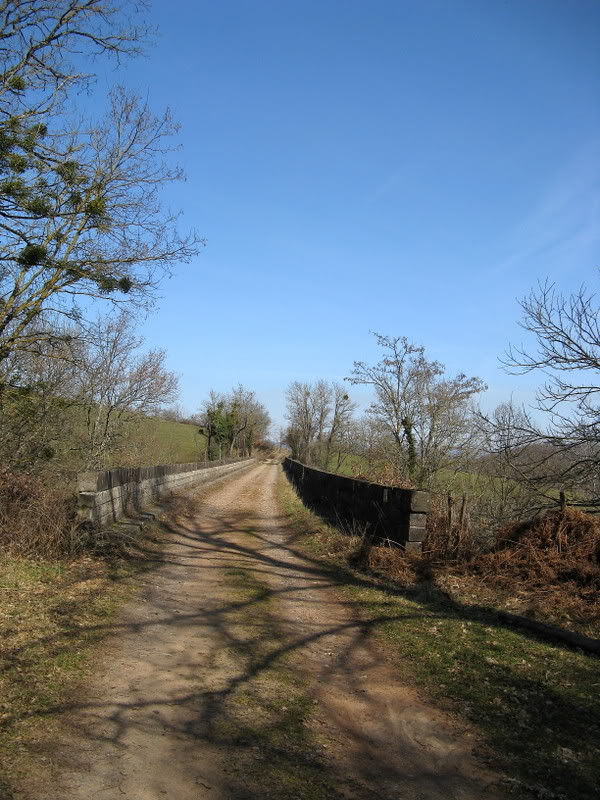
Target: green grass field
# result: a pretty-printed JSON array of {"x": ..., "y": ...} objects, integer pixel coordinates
[
  {"x": 350, "y": 465},
  {"x": 457, "y": 483},
  {"x": 179, "y": 441}
]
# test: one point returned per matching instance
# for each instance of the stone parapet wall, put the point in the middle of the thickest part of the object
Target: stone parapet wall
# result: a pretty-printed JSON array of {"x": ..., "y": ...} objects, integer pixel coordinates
[
  {"x": 384, "y": 512},
  {"x": 107, "y": 496}
]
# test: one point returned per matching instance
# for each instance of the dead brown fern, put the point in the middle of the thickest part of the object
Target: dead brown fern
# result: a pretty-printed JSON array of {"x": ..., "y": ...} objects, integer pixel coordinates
[{"x": 558, "y": 546}]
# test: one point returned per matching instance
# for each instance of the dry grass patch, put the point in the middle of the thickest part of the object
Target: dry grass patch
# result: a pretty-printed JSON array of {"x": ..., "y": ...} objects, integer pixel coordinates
[{"x": 51, "y": 614}]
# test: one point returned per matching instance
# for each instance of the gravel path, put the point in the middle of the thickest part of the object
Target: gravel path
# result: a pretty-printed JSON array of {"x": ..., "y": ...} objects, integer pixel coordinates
[{"x": 150, "y": 724}]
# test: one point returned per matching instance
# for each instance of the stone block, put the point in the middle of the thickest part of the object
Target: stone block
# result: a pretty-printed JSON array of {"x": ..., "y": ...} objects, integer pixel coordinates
[
  {"x": 420, "y": 502},
  {"x": 415, "y": 533},
  {"x": 86, "y": 499}
]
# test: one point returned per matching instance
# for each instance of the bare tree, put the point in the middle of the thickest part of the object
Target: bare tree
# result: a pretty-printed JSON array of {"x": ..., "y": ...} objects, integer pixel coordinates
[
  {"x": 96, "y": 230},
  {"x": 250, "y": 420},
  {"x": 426, "y": 414},
  {"x": 319, "y": 416},
  {"x": 556, "y": 445},
  {"x": 369, "y": 441},
  {"x": 340, "y": 426},
  {"x": 75, "y": 403},
  {"x": 320, "y": 399},
  {"x": 567, "y": 352},
  {"x": 173, "y": 413},
  {"x": 302, "y": 419},
  {"x": 116, "y": 385},
  {"x": 46, "y": 45}
]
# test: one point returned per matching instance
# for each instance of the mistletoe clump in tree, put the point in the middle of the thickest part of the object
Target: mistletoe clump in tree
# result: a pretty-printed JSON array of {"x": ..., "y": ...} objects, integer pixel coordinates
[{"x": 80, "y": 212}]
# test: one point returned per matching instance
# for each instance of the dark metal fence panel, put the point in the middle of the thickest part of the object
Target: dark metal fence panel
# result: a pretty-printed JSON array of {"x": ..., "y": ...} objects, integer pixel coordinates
[{"x": 357, "y": 506}]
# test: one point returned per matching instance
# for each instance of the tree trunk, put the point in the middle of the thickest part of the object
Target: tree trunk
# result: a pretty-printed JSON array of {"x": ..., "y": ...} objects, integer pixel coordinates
[{"x": 411, "y": 447}]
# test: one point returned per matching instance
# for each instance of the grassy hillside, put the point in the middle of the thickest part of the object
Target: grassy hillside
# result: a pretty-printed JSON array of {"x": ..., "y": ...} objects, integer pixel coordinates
[
  {"x": 147, "y": 441},
  {"x": 170, "y": 442},
  {"x": 350, "y": 466}
]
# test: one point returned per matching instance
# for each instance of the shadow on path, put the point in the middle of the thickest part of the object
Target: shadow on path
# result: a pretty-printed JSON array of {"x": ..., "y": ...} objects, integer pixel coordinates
[{"x": 189, "y": 645}]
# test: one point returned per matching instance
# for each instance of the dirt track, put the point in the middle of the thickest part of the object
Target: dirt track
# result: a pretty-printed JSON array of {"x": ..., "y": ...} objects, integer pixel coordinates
[{"x": 156, "y": 721}]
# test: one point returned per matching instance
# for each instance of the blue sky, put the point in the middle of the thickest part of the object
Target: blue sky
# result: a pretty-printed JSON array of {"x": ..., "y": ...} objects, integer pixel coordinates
[{"x": 409, "y": 167}]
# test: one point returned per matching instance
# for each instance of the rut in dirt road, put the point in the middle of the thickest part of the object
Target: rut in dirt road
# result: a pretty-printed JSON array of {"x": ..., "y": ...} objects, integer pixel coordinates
[{"x": 238, "y": 672}]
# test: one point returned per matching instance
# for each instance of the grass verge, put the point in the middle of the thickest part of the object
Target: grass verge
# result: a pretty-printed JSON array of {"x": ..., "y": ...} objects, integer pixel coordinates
[
  {"x": 51, "y": 615},
  {"x": 535, "y": 705}
]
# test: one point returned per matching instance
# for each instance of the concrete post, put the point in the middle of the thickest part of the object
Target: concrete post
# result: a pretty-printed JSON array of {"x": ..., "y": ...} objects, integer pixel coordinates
[{"x": 420, "y": 503}]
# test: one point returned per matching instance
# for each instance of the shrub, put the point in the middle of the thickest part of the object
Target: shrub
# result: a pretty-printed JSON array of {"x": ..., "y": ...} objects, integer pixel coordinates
[{"x": 35, "y": 521}]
